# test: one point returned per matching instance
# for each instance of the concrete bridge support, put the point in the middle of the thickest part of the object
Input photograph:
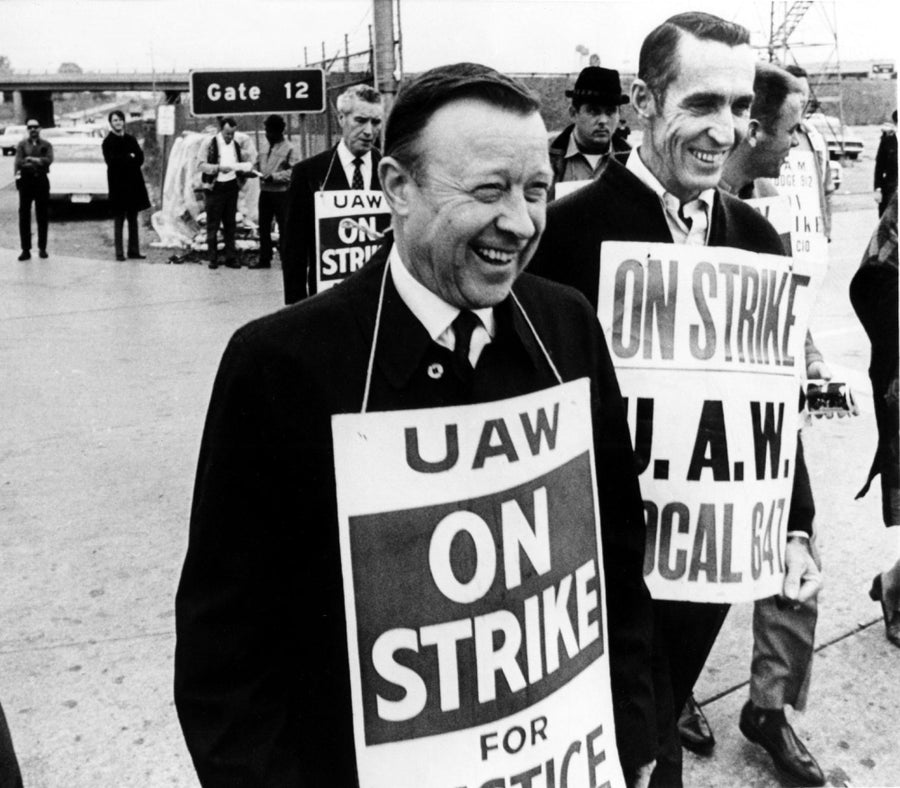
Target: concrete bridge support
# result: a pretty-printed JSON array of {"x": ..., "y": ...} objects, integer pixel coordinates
[{"x": 36, "y": 104}]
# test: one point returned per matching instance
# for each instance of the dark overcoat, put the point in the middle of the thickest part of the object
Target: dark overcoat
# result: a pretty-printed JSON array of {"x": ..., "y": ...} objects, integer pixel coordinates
[
  {"x": 873, "y": 293},
  {"x": 124, "y": 159},
  {"x": 262, "y": 682}
]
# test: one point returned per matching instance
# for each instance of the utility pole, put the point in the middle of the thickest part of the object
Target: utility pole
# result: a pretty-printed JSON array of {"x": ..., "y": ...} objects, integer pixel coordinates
[{"x": 385, "y": 64}]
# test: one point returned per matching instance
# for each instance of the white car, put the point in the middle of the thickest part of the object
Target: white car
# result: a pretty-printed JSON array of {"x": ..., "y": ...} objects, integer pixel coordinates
[
  {"x": 12, "y": 136},
  {"x": 839, "y": 141},
  {"x": 78, "y": 172}
]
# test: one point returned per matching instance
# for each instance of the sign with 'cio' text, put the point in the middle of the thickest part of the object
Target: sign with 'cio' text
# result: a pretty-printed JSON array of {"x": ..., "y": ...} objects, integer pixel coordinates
[
  {"x": 349, "y": 228},
  {"x": 799, "y": 180},
  {"x": 473, "y": 585},
  {"x": 708, "y": 348}
]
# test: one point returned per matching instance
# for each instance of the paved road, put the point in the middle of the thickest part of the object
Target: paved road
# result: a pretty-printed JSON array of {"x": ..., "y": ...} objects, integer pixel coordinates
[
  {"x": 6, "y": 170},
  {"x": 108, "y": 370}
]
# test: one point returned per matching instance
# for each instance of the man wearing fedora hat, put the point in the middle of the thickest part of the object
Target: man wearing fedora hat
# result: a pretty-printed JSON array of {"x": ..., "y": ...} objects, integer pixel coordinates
[{"x": 581, "y": 152}]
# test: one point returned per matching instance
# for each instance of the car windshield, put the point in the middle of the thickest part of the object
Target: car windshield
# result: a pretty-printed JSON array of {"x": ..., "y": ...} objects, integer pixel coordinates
[{"x": 77, "y": 153}]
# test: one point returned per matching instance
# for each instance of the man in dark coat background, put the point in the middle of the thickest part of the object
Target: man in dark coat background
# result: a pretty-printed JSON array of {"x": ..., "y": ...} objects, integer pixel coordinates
[
  {"x": 873, "y": 293},
  {"x": 127, "y": 192},
  {"x": 34, "y": 155},
  {"x": 359, "y": 115},
  {"x": 262, "y": 681},
  {"x": 582, "y": 150},
  {"x": 693, "y": 92},
  {"x": 886, "y": 165}
]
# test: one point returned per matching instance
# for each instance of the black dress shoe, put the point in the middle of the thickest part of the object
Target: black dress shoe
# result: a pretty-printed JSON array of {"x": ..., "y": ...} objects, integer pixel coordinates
[
  {"x": 259, "y": 264},
  {"x": 137, "y": 256},
  {"x": 120, "y": 258},
  {"x": 770, "y": 729},
  {"x": 213, "y": 264},
  {"x": 43, "y": 254},
  {"x": 694, "y": 730},
  {"x": 24, "y": 256},
  {"x": 232, "y": 264},
  {"x": 891, "y": 617}
]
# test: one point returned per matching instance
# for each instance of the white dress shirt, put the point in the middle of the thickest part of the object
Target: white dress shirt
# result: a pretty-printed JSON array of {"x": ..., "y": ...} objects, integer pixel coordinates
[
  {"x": 435, "y": 314},
  {"x": 226, "y": 156},
  {"x": 694, "y": 232}
]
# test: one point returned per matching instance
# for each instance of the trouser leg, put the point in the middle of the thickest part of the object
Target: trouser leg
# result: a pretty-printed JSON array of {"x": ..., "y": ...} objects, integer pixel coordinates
[
  {"x": 667, "y": 773},
  {"x": 782, "y": 653},
  {"x": 229, "y": 220},
  {"x": 25, "y": 200},
  {"x": 279, "y": 208},
  {"x": 10, "y": 775},
  {"x": 783, "y": 648},
  {"x": 118, "y": 222},
  {"x": 213, "y": 217},
  {"x": 42, "y": 213},
  {"x": 134, "y": 246},
  {"x": 266, "y": 214},
  {"x": 687, "y": 633}
]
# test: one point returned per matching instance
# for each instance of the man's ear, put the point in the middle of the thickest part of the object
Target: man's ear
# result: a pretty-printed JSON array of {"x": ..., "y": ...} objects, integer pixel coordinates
[
  {"x": 396, "y": 184},
  {"x": 642, "y": 99},
  {"x": 572, "y": 111},
  {"x": 754, "y": 129}
]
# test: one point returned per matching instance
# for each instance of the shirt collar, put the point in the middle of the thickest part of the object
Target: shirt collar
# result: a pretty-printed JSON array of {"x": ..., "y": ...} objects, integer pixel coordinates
[
  {"x": 346, "y": 157},
  {"x": 430, "y": 310},
  {"x": 574, "y": 150},
  {"x": 669, "y": 201}
]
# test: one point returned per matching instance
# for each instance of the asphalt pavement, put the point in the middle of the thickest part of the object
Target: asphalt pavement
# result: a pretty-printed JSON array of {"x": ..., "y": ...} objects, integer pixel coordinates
[{"x": 107, "y": 369}]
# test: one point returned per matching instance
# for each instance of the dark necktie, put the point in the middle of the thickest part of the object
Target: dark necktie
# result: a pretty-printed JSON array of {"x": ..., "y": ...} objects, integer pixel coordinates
[
  {"x": 463, "y": 326},
  {"x": 357, "y": 175},
  {"x": 688, "y": 221}
]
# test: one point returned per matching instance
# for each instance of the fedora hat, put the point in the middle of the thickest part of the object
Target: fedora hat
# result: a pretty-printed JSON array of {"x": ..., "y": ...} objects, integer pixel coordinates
[{"x": 599, "y": 85}]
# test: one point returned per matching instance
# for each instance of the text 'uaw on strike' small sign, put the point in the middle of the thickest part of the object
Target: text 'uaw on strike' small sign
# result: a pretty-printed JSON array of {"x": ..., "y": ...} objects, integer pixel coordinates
[{"x": 240, "y": 92}]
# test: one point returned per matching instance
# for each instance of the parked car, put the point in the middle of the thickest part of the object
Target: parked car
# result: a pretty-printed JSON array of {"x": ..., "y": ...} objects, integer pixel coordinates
[
  {"x": 837, "y": 174},
  {"x": 840, "y": 143},
  {"x": 78, "y": 172},
  {"x": 11, "y": 137}
]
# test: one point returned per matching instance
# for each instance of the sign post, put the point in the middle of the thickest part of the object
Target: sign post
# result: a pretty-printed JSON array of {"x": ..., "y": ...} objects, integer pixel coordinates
[{"x": 241, "y": 92}]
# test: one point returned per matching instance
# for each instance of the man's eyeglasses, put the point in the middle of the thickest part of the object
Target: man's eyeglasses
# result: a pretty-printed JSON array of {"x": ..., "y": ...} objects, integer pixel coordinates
[{"x": 32, "y": 127}]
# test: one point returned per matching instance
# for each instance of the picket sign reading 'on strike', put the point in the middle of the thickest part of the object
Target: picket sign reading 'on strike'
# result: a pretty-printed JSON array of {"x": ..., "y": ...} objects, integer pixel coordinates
[
  {"x": 708, "y": 348},
  {"x": 349, "y": 226},
  {"x": 474, "y": 594}
]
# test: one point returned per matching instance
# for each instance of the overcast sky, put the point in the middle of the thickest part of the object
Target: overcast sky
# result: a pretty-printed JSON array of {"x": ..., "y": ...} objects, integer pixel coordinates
[{"x": 512, "y": 35}]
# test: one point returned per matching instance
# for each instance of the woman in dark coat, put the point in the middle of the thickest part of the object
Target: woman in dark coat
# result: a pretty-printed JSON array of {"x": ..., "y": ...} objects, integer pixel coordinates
[
  {"x": 127, "y": 193},
  {"x": 873, "y": 293}
]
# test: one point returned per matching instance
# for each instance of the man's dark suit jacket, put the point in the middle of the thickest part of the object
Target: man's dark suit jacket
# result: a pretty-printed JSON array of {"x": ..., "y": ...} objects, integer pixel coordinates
[
  {"x": 262, "y": 681},
  {"x": 619, "y": 207},
  {"x": 322, "y": 172}
]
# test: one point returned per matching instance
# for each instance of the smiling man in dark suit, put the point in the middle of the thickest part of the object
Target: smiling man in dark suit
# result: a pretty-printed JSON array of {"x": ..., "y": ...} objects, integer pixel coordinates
[
  {"x": 262, "y": 671},
  {"x": 351, "y": 164},
  {"x": 693, "y": 92}
]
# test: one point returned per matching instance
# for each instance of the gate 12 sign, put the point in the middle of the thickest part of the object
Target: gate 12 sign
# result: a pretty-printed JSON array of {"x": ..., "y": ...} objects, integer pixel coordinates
[
  {"x": 474, "y": 593},
  {"x": 240, "y": 92}
]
